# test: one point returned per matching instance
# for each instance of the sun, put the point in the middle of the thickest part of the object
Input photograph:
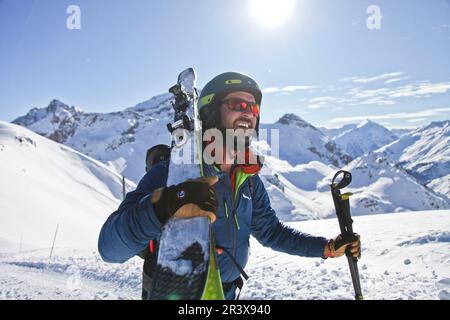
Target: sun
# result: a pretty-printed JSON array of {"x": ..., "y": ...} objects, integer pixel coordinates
[{"x": 271, "y": 14}]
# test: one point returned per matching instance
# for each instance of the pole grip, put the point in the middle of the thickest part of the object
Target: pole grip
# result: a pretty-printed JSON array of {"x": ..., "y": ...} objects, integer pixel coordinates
[{"x": 342, "y": 205}]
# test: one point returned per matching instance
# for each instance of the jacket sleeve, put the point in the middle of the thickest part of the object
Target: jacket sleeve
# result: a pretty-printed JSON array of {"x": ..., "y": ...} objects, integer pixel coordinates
[
  {"x": 270, "y": 232},
  {"x": 127, "y": 231}
]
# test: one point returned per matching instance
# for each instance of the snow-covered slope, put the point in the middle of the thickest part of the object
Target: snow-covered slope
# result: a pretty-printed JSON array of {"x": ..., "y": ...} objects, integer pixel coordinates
[
  {"x": 44, "y": 183},
  {"x": 119, "y": 139},
  {"x": 441, "y": 185},
  {"x": 301, "y": 142},
  {"x": 404, "y": 256},
  {"x": 307, "y": 156},
  {"x": 425, "y": 154},
  {"x": 400, "y": 132},
  {"x": 292, "y": 189},
  {"x": 366, "y": 137},
  {"x": 331, "y": 133},
  {"x": 302, "y": 192},
  {"x": 381, "y": 186}
]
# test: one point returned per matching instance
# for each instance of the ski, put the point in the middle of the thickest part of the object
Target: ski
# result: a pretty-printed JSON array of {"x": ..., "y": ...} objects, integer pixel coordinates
[{"x": 186, "y": 268}]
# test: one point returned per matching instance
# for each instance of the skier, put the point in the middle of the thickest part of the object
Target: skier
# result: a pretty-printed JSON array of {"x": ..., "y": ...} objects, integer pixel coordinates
[{"x": 236, "y": 201}]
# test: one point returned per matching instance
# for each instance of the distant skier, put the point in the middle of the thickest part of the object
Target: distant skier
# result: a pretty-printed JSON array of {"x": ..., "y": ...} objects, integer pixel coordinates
[{"x": 238, "y": 201}]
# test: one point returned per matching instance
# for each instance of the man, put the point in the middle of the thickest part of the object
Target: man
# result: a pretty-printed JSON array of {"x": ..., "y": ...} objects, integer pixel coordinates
[{"x": 236, "y": 201}]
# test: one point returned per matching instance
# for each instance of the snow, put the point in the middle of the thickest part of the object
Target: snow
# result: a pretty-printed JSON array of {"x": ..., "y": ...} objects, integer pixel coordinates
[
  {"x": 306, "y": 176},
  {"x": 404, "y": 256},
  {"x": 331, "y": 133},
  {"x": 110, "y": 138},
  {"x": 419, "y": 159},
  {"x": 302, "y": 192},
  {"x": 70, "y": 274},
  {"x": 405, "y": 253},
  {"x": 388, "y": 187},
  {"x": 388, "y": 240},
  {"x": 44, "y": 184},
  {"x": 441, "y": 185},
  {"x": 173, "y": 243},
  {"x": 364, "y": 138},
  {"x": 300, "y": 142},
  {"x": 425, "y": 154}
]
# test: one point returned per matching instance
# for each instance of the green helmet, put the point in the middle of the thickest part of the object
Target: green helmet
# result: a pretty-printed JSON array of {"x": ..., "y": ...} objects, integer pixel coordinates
[{"x": 225, "y": 83}]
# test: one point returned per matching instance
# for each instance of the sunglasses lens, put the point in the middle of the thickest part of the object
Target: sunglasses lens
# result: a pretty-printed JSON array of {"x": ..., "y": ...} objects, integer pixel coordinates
[
  {"x": 243, "y": 106},
  {"x": 255, "y": 109}
]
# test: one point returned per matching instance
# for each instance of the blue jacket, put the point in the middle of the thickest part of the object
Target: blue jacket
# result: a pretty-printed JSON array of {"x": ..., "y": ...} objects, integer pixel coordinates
[{"x": 128, "y": 230}]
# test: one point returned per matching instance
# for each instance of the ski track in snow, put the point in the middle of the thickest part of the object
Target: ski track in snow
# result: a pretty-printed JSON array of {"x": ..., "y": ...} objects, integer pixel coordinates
[
  {"x": 405, "y": 256},
  {"x": 74, "y": 274}
]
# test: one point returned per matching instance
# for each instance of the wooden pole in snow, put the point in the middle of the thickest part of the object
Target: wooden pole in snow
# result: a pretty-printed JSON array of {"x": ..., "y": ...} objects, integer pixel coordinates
[
  {"x": 124, "y": 191},
  {"x": 54, "y": 238}
]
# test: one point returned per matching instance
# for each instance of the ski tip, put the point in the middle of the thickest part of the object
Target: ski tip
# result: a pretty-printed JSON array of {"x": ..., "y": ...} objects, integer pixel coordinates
[
  {"x": 187, "y": 78},
  {"x": 187, "y": 71}
]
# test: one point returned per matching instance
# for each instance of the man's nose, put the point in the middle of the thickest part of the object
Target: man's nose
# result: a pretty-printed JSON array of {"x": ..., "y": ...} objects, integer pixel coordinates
[{"x": 248, "y": 115}]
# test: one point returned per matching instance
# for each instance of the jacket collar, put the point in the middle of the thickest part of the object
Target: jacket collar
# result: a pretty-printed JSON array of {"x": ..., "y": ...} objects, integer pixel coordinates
[{"x": 250, "y": 169}]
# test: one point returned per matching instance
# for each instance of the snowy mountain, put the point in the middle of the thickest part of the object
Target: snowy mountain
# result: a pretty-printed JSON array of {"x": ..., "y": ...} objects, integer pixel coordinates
[
  {"x": 293, "y": 189},
  {"x": 365, "y": 137},
  {"x": 425, "y": 154},
  {"x": 441, "y": 185},
  {"x": 119, "y": 139},
  {"x": 379, "y": 185},
  {"x": 44, "y": 184},
  {"x": 331, "y": 133},
  {"x": 404, "y": 256},
  {"x": 307, "y": 156},
  {"x": 301, "y": 142},
  {"x": 400, "y": 132},
  {"x": 57, "y": 122}
]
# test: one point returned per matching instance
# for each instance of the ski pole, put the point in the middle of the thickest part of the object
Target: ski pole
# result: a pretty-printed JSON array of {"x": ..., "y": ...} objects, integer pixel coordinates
[{"x": 342, "y": 205}]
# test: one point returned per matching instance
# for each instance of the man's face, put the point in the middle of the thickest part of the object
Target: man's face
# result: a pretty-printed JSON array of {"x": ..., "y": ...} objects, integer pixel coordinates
[{"x": 236, "y": 119}]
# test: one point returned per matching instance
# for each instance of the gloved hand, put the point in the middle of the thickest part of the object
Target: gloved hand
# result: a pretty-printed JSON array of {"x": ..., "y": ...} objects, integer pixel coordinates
[
  {"x": 192, "y": 198},
  {"x": 336, "y": 247}
]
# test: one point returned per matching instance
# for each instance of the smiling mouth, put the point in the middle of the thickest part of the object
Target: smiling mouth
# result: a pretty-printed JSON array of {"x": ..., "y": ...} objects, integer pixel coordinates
[{"x": 242, "y": 124}]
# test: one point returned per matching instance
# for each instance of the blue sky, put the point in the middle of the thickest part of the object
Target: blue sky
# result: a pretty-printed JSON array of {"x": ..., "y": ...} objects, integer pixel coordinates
[{"x": 323, "y": 63}]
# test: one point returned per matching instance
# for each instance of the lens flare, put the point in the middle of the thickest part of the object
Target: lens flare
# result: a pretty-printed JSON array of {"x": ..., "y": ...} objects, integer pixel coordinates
[{"x": 271, "y": 14}]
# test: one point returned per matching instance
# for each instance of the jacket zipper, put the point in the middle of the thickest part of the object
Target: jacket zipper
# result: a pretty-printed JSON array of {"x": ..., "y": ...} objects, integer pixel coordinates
[
  {"x": 227, "y": 216},
  {"x": 236, "y": 225}
]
